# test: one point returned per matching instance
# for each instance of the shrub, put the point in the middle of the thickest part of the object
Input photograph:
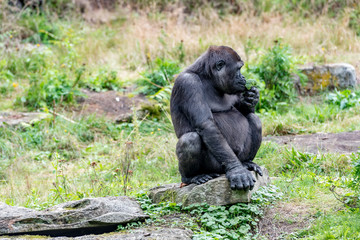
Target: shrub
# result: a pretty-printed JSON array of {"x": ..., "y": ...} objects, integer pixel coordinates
[
  {"x": 160, "y": 75},
  {"x": 54, "y": 87},
  {"x": 103, "y": 80},
  {"x": 37, "y": 28},
  {"x": 273, "y": 76}
]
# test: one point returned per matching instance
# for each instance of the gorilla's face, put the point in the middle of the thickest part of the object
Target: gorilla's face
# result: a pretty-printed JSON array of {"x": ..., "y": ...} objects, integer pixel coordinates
[{"x": 226, "y": 72}]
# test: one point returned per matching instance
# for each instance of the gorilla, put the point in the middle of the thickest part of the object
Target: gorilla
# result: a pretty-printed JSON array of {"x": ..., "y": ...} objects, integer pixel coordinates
[{"x": 213, "y": 116}]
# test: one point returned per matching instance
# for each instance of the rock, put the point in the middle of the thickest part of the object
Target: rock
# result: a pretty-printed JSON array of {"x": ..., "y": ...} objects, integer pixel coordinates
[
  {"x": 215, "y": 192},
  {"x": 329, "y": 76},
  {"x": 21, "y": 118},
  {"x": 161, "y": 233},
  {"x": 90, "y": 215},
  {"x": 344, "y": 142}
]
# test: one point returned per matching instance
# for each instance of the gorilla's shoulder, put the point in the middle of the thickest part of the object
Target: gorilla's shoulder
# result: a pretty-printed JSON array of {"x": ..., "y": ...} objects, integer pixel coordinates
[{"x": 185, "y": 78}]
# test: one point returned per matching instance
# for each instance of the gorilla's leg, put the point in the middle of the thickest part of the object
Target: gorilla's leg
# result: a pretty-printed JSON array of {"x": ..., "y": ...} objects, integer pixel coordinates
[
  {"x": 255, "y": 126},
  {"x": 190, "y": 153}
]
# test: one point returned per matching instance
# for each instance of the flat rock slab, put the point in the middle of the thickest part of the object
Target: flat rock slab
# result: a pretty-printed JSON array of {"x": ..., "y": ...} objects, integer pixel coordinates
[
  {"x": 161, "y": 233},
  {"x": 344, "y": 142},
  {"x": 17, "y": 118},
  {"x": 214, "y": 192},
  {"x": 72, "y": 218}
]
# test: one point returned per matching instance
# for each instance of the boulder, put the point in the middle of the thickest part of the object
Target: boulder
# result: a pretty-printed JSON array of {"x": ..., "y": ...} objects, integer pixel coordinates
[
  {"x": 214, "y": 192},
  {"x": 159, "y": 233},
  {"x": 329, "y": 76},
  {"x": 90, "y": 215}
]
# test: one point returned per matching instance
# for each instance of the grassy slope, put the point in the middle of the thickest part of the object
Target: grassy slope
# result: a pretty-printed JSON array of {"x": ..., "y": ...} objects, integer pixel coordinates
[{"x": 47, "y": 164}]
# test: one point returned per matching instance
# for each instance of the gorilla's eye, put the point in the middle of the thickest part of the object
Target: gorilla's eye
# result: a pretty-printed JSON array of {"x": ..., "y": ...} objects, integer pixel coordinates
[{"x": 219, "y": 65}]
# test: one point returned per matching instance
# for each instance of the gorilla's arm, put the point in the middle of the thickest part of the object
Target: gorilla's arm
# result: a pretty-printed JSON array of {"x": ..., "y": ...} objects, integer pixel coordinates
[
  {"x": 245, "y": 104},
  {"x": 188, "y": 90}
]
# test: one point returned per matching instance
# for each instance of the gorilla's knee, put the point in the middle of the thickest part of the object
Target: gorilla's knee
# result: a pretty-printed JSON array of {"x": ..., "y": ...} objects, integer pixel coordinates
[
  {"x": 188, "y": 151},
  {"x": 188, "y": 146},
  {"x": 189, "y": 143}
]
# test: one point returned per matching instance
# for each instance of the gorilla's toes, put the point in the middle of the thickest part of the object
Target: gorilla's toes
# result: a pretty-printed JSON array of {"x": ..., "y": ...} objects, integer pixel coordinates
[
  {"x": 251, "y": 166},
  {"x": 214, "y": 175},
  {"x": 203, "y": 178}
]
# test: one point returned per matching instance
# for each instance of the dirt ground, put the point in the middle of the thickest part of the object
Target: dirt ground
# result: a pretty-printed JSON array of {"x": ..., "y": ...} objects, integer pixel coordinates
[
  {"x": 283, "y": 219},
  {"x": 344, "y": 142},
  {"x": 115, "y": 106},
  {"x": 110, "y": 104}
]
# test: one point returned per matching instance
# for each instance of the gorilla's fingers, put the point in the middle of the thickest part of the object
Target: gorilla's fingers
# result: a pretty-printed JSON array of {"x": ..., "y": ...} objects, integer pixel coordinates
[
  {"x": 250, "y": 94},
  {"x": 254, "y": 89},
  {"x": 249, "y": 100},
  {"x": 249, "y": 104}
]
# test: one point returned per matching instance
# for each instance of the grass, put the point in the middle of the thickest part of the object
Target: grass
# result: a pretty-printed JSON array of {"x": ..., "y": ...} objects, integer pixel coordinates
[
  {"x": 309, "y": 116},
  {"x": 81, "y": 159},
  {"x": 56, "y": 160}
]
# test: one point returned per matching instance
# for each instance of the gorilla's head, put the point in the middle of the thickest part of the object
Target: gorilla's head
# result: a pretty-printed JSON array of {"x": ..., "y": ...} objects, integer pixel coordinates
[{"x": 224, "y": 66}]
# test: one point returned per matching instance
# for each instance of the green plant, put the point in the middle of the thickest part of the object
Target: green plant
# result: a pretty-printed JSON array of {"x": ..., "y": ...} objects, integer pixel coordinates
[
  {"x": 344, "y": 99},
  {"x": 53, "y": 81},
  {"x": 6, "y": 79},
  {"x": 37, "y": 28},
  {"x": 354, "y": 20},
  {"x": 355, "y": 183},
  {"x": 159, "y": 76},
  {"x": 54, "y": 88},
  {"x": 238, "y": 221},
  {"x": 297, "y": 160},
  {"x": 275, "y": 69},
  {"x": 102, "y": 81}
]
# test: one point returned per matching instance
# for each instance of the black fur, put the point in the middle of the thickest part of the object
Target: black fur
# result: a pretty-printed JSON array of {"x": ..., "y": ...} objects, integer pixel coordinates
[{"x": 213, "y": 116}]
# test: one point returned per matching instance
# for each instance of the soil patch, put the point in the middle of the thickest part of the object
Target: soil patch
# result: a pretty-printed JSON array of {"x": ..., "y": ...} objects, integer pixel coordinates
[
  {"x": 283, "y": 219},
  {"x": 111, "y": 104},
  {"x": 344, "y": 142}
]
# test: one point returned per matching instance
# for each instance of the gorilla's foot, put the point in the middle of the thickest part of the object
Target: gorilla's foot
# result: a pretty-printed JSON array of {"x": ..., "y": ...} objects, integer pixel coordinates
[
  {"x": 251, "y": 166},
  {"x": 200, "y": 179}
]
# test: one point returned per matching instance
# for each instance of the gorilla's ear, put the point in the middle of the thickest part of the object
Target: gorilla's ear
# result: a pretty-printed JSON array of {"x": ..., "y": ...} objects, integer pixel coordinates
[{"x": 220, "y": 64}]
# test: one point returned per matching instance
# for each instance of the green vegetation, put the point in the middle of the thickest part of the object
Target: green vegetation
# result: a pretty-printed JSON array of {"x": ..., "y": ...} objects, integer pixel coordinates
[
  {"x": 49, "y": 54},
  {"x": 344, "y": 99},
  {"x": 238, "y": 221},
  {"x": 160, "y": 76},
  {"x": 273, "y": 72}
]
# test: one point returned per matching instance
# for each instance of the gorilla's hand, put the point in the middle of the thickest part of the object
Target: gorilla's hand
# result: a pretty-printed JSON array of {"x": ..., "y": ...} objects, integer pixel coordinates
[
  {"x": 251, "y": 97},
  {"x": 240, "y": 178}
]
